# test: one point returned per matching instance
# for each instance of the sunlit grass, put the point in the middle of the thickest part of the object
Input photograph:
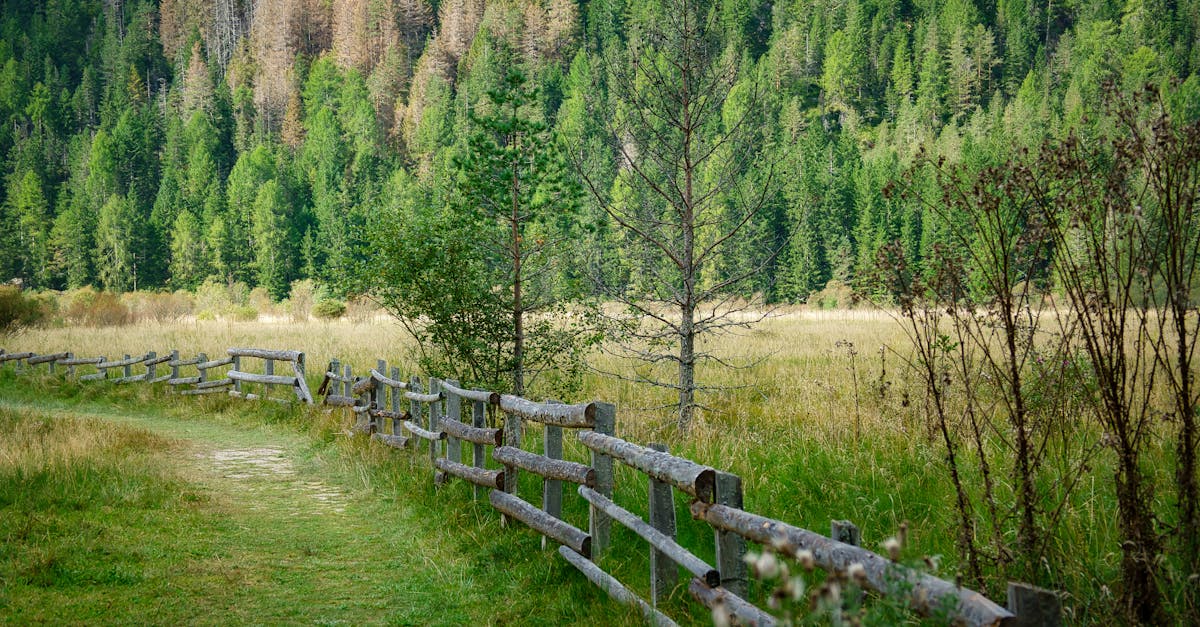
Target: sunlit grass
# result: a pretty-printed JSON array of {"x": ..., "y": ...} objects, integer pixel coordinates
[{"x": 786, "y": 422}]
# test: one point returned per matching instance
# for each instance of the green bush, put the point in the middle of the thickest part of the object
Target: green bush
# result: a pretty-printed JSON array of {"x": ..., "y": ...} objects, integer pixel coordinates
[
  {"x": 244, "y": 313},
  {"x": 329, "y": 309},
  {"x": 18, "y": 310}
]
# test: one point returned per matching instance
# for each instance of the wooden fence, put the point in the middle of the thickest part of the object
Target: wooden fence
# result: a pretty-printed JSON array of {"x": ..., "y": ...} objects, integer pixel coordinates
[{"x": 432, "y": 415}]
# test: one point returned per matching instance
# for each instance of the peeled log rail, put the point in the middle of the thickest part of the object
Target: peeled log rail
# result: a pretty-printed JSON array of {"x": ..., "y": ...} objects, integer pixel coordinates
[
  {"x": 394, "y": 441},
  {"x": 927, "y": 594},
  {"x": 698, "y": 481},
  {"x": 423, "y": 398},
  {"x": 183, "y": 381},
  {"x": 392, "y": 415},
  {"x": 176, "y": 363},
  {"x": 219, "y": 383},
  {"x": 657, "y": 539},
  {"x": 263, "y": 353},
  {"x": 570, "y": 416},
  {"x": 99, "y": 376},
  {"x": 134, "y": 379},
  {"x": 385, "y": 380},
  {"x": 542, "y": 522},
  {"x": 216, "y": 363},
  {"x": 363, "y": 386},
  {"x": 335, "y": 400},
  {"x": 41, "y": 359},
  {"x": 486, "y": 478},
  {"x": 740, "y": 611},
  {"x": 124, "y": 362},
  {"x": 266, "y": 379},
  {"x": 205, "y": 391},
  {"x": 165, "y": 377},
  {"x": 614, "y": 588},
  {"x": 15, "y": 356},
  {"x": 157, "y": 360},
  {"x": 424, "y": 433},
  {"x": 559, "y": 469},
  {"x": 475, "y": 435},
  {"x": 81, "y": 361},
  {"x": 482, "y": 396}
]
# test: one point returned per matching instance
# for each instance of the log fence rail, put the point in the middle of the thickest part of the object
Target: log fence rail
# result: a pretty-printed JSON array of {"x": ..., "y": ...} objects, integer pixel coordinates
[{"x": 435, "y": 420}]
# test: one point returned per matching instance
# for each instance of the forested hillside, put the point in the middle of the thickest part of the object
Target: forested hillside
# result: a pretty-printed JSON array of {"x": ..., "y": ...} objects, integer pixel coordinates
[{"x": 156, "y": 145}]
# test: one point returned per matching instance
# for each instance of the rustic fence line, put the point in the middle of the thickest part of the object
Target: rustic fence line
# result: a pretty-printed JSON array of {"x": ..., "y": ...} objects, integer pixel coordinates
[{"x": 434, "y": 420}]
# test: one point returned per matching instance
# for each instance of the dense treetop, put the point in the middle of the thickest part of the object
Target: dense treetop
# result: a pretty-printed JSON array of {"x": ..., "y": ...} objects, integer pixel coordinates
[{"x": 156, "y": 145}]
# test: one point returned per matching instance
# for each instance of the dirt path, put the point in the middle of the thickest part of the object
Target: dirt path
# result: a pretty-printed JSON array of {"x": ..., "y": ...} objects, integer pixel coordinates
[{"x": 288, "y": 537}]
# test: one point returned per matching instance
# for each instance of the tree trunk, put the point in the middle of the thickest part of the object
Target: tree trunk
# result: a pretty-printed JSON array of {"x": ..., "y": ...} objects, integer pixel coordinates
[
  {"x": 1140, "y": 550},
  {"x": 518, "y": 310}
]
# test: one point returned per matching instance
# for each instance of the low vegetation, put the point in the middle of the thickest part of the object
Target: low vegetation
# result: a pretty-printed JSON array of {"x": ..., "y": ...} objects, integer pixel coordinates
[{"x": 828, "y": 423}]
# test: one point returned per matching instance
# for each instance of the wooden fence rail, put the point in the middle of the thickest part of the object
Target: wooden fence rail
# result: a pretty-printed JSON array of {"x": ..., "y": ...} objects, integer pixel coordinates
[{"x": 435, "y": 418}]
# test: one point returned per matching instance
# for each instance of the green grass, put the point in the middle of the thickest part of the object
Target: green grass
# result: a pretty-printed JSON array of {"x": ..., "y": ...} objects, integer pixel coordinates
[{"x": 117, "y": 508}]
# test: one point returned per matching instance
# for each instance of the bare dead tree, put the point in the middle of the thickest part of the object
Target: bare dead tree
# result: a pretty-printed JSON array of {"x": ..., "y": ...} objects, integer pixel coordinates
[{"x": 684, "y": 163}]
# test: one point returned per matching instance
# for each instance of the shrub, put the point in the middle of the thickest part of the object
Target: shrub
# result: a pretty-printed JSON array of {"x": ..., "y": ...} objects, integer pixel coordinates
[
  {"x": 329, "y": 309},
  {"x": 158, "y": 306},
  {"x": 18, "y": 311},
  {"x": 300, "y": 299},
  {"x": 835, "y": 295},
  {"x": 87, "y": 307},
  {"x": 244, "y": 313}
]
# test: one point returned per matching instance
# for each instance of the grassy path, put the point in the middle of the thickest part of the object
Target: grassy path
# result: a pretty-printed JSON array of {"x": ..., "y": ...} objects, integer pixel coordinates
[{"x": 216, "y": 523}]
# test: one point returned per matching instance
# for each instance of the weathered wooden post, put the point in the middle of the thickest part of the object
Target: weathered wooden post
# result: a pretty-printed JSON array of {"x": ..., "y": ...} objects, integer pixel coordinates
[
  {"x": 479, "y": 420},
  {"x": 268, "y": 369},
  {"x": 335, "y": 369},
  {"x": 435, "y": 419},
  {"x": 845, "y": 532},
  {"x": 664, "y": 574},
  {"x": 378, "y": 397},
  {"x": 552, "y": 447},
  {"x": 396, "y": 403},
  {"x": 599, "y": 524},
  {"x": 150, "y": 369},
  {"x": 203, "y": 373},
  {"x": 71, "y": 368},
  {"x": 454, "y": 412},
  {"x": 347, "y": 377},
  {"x": 127, "y": 369},
  {"x": 237, "y": 384},
  {"x": 1034, "y": 606},
  {"x": 513, "y": 434},
  {"x": 731, "y": 547},
  {"x": 414, "y": 408},
  {"x": 174, "y": 364}
]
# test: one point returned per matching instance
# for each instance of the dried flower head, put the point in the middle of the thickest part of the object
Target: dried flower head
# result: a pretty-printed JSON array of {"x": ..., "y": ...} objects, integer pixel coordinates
[
  {"x": 806, "y": 559},
  {"x": 892, "y": 547}
]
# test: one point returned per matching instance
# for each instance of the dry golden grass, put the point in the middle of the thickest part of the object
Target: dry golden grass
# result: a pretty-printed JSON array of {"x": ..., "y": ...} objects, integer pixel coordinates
[{"x": 795, "y": 375}]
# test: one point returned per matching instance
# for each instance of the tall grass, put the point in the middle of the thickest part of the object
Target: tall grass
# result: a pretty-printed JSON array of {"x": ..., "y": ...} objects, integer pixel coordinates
[{"x": 785, "y": 423}]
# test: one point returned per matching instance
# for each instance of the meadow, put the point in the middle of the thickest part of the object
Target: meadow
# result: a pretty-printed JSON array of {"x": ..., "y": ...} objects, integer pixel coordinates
[{"x": 823, "y": 421}]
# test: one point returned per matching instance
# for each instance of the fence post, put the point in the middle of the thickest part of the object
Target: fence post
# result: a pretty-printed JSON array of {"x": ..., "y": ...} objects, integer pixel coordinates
[
  {"x": 335, "y": 369},
  {"x": 731, "y": 547},
  {"x": 1034, "y": 606},
  {"x": 435, "y": 419},
  {"x": 268, "y": 368},
  {"x": 377, "y": 398},
  {"x": 664, "y": 574},
  {"x": 127, "y": 369},
  {"x": 203, "y": 373},
  {"x": 396, "y": 430},
  {"x": 552, "y": 491},
  {"x": 348, "y": 375},
  {"x": 52, "y": 366},
  {"x": 478, "y": 419},
  {"x": 174, "y": 366},
  {"x": 845, "y": 532},
  {"x": 414, "y": 408},
  {"x": 513, "y": 429},
  {"x": 237, "y": 384},
  {"x": 150, "y": 369},
  {"x": 599, "y": 524},
  {"x": 454, "y": 412},
  {"x": 71, "y": 369}
]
